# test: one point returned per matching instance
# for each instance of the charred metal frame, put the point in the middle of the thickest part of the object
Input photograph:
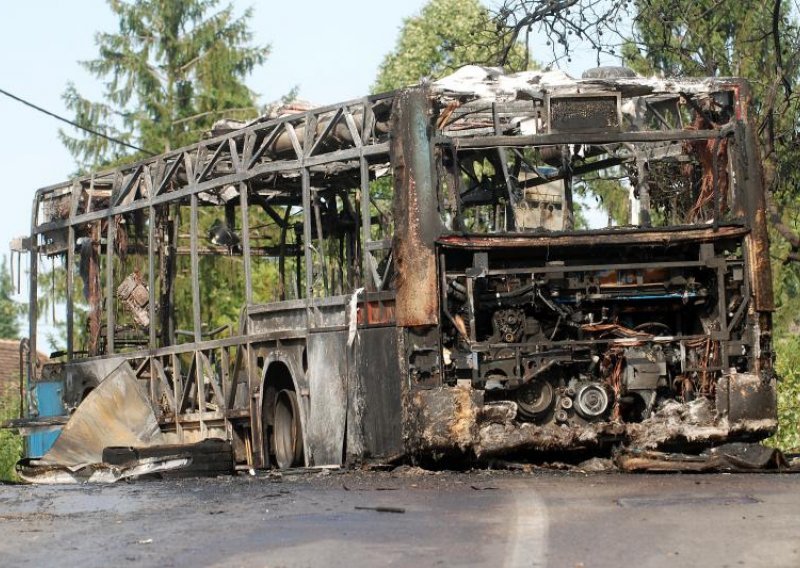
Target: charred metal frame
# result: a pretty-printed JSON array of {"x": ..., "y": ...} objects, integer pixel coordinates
[
  {"x": 395, "y": 326},
  {"x": 347, "y": 135}
]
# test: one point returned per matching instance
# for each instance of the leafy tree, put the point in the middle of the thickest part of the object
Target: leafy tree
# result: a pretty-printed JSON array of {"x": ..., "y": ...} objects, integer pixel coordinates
[
  {"x": 10, "y": 443},
  {"x": 10, "y": 310},
  {"x": 788, "y": 366},
  {"x": 172, "y": 68},
  {"x": 446, "y": 35}
]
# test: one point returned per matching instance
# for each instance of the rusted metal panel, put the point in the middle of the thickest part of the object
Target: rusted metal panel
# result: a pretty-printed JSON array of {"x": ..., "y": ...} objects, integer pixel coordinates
[
  {"x": 377, "y": 312},
  {"x": 747, "y": 397},
  {"x": 662, "y": 237},
  {"x": 417, "y": 223},
  {"x": 758, "y": 249}
]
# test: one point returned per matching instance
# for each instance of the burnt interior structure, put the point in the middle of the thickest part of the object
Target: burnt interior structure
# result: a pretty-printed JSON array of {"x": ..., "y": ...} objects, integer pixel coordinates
[
  {"x": 486, "y": 264},
  {"x": 604, "y": 323}
]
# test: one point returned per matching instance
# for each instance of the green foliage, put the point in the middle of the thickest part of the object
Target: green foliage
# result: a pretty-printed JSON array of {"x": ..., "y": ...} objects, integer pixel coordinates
[
  {"x": 10, "y": 443},
  {"x": 788, "y": 367},
  {"x": 701, "y": 38},
  {"x": 786, "y": 288},
  {"x": 172, "y": 69},
  {"x": 446, "y": 35},
  {"x": 9, "y": 309}
]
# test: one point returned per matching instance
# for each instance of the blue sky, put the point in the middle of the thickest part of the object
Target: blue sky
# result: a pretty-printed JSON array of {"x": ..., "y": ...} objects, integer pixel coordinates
[{"x": 329, "y": 49}]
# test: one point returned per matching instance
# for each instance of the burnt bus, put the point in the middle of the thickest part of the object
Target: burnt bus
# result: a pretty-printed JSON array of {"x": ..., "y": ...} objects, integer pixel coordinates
[{"x": 484, "y": 265}]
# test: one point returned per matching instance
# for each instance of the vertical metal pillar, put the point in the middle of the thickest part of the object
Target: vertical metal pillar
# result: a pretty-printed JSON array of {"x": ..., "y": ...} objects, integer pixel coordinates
[
  {"x": 33, "y": 300},
  {"x": 248, "y": 278},
  {"x": 366, "y": 223},
  {"x": 151, "y": 273},
  {"x": 307, "y": 220},
  {"x": 195, "y": 273},
  {"x": 417, "y": 220},
  {"x": 110, "y": 304},
  {"x": 644, "y": 190},
  {"x": 196, "y": 321},
  {"x": 70, "y": 288},
  {"x": 321, "y": 245}
]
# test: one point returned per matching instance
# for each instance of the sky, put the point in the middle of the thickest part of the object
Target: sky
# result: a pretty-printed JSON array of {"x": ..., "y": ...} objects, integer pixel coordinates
[{"x": 330, "y": 50}]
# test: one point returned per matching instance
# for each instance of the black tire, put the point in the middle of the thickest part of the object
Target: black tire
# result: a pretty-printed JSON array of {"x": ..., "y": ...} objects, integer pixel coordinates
[
  {"x": 287, "y": 435},
  {"x": 119, "y": 455},
  {"x": 208, "y": 457}
]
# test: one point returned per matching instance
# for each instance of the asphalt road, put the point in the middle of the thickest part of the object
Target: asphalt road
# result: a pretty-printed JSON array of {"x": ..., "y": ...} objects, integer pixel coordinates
[{"x": 428, "y": 519}]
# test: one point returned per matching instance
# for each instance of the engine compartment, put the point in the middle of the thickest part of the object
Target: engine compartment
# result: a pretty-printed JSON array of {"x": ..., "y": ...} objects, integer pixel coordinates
[{"x": 604, "y": 334}]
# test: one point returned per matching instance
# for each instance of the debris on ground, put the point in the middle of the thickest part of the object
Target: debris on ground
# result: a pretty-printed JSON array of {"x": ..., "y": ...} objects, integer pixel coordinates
[
  {"x": 115, "y": 435},
  {"x": 735, "y": 457},
  {"x": 381, "y": 509}
]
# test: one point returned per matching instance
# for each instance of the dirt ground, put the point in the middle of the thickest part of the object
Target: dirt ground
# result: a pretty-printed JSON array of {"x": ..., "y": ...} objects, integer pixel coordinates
[{"x": 408, "y": 517}]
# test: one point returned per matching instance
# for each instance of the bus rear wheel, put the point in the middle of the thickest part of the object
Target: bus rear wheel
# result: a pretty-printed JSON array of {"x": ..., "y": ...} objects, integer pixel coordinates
[{"x": 287, "y": 433}]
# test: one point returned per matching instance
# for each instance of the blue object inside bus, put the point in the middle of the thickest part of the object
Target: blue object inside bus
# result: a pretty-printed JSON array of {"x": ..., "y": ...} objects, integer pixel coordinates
[{"x": 48, "y": 396}]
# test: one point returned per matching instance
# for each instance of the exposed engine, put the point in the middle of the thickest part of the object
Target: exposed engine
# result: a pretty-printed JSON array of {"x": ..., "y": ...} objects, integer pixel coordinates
[{"x": 581, "y": 343}]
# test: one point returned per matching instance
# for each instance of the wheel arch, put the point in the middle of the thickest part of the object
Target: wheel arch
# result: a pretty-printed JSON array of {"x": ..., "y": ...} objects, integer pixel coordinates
[{"x": 281, "y": 371}]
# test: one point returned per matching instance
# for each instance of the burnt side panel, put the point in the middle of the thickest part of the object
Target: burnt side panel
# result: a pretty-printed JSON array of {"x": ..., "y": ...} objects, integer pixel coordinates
[
  {"x": 327, "y": 372},
  {"x": 382, "y": 387}
]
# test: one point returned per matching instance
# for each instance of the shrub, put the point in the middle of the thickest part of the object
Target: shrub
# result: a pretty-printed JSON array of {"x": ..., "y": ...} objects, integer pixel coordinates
[
  {"x": 788, "y": 366},
  {"x": 10, "y": 442}
]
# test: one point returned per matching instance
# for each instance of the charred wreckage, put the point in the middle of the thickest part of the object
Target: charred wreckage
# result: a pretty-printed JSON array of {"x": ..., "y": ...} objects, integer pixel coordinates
[{"x": 440, "y": 279}]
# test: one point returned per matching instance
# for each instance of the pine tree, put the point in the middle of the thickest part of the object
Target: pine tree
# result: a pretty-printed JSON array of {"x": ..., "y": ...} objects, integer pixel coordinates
[{"x": 172, "y": 68}]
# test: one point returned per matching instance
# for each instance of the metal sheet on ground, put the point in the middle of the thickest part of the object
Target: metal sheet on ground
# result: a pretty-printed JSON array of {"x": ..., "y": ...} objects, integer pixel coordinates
[{"x": 116, "y": 413}]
